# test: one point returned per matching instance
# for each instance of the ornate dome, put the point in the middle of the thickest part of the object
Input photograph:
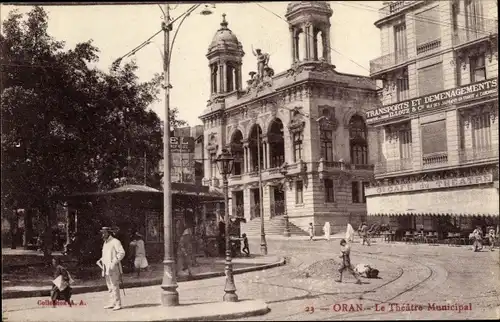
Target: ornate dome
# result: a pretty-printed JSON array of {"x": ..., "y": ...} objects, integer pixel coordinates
[
  {"x": 224, "y": 37},
  {"x": 297, "y": 5}
]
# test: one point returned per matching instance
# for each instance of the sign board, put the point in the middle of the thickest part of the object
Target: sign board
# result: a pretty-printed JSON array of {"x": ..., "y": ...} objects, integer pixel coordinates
[
  {"x": 433, "y": 101},
  {"x": 427, "y": 185},
  {"x": 181, "y": 144}
]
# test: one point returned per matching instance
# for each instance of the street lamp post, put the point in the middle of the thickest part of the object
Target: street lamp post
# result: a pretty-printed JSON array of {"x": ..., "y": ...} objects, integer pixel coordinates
[
  {"x": 284, "y": 172},
  {"x": 169, "y": 295},
  {"x": 225, "y": 164}
]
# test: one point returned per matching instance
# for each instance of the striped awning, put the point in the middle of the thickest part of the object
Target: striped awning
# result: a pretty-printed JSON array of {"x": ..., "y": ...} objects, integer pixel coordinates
[{"x": 462, "y": 202}]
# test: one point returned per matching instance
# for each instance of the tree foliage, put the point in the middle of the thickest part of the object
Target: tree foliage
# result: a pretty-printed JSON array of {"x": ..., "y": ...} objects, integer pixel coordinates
[{"x": 68, "y": 127}]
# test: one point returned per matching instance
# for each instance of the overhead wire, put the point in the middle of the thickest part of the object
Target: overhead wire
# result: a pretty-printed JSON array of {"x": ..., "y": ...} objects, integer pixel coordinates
[
  {"x": 440, "y": 10},
  {"x": 329, "y": 47}
]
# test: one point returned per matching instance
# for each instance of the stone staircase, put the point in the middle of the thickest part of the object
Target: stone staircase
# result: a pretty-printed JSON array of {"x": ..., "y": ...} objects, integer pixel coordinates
[{"x": 274, "y": 226}]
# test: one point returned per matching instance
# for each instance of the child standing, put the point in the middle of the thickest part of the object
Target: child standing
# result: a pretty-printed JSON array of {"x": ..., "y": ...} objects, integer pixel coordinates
[
  {"x": 245, "y": 249},
  {"x": 311, "y": 231},
  {"x": 346, "y": 262},
  {"x": 61, "y": 291},
  {"x": 140, "y": 260}
]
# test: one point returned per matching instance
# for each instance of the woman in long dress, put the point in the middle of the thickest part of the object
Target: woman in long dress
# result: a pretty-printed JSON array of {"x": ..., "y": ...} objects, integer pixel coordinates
[
  {"x": 349, "y": 234},
  {"x": 326, "y": 229}
]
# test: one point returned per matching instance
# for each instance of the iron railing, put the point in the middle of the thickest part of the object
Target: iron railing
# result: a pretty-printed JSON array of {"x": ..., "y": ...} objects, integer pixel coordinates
[{"x": 389, "y": 60}]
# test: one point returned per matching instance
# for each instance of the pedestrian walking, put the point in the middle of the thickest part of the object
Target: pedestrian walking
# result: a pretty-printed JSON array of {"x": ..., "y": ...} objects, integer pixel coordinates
[
  {"x": 364, "y": 234},
  {"x": 110, "y": 263},
  {"x": 245, "y": 249},
  {"x": 478, "y": 238},
  {"x": 311, "y": 231},
  {"x": 327, "y": 230},
  {"x": 345, "y": 248},
  {"x": 61, "y": 289},
  {"x": 185, "y": 250},
  {"x": 140, "y": 260},
  {"x": 491, "y": 238}
]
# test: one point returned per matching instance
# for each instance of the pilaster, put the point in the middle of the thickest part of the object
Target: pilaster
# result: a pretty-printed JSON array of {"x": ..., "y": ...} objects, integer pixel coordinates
[{"x": 452, "y": 137}]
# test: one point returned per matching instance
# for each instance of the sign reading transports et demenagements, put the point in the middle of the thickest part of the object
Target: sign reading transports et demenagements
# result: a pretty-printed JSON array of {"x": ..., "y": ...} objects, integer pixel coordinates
[
  {"x": 433, "y": 101},
  {"x": 427, "y": 185}
]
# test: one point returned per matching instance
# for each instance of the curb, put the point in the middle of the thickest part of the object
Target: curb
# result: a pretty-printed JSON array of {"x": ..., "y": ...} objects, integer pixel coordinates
[
  {"x": 134, "y": 284},
  {"x": 228, "y": 316}
]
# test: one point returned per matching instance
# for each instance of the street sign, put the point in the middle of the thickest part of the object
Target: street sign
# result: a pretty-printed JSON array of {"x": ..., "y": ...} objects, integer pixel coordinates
[{"x": 181, "y": 144}]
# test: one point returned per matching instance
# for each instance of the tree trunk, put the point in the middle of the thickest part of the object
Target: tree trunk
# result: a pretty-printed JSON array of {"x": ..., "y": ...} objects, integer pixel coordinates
[{"x": 28, "y": 226}]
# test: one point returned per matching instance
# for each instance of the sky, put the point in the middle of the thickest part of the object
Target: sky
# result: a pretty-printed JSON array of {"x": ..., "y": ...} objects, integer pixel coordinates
[{"x": 117, "y": 29}]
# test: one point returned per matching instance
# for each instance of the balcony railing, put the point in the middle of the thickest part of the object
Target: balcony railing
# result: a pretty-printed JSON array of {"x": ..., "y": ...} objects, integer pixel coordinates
[
  {"x": 435, "y": 160},
  {"x": 395, "y": 7},
  {"x": 393, "y": 166},
  {"x": 482, "y": 30},
  {"x": 388, "y": 61},
  {"x": 428, "y": 46},
  {"x": 478, "y": 154}
]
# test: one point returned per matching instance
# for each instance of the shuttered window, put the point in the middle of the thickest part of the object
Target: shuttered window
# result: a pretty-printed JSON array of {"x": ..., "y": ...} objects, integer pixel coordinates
[
  {"x": 474, "y": 15},
  {"x": 427, "y": 26},
  {"x": 434, "y": 138},
  {"x": 430, "y": 79},
  {"x": 481, "y": 131}
]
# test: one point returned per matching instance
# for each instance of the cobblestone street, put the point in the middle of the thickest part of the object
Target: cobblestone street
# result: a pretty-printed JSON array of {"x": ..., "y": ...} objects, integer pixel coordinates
[{"x": 304, "y": 289}]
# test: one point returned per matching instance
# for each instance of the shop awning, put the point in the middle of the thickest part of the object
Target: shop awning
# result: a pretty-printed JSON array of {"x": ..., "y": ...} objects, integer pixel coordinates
[{"x": 470, "y": 202}]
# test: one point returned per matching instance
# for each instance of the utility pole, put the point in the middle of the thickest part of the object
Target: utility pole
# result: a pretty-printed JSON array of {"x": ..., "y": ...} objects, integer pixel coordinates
[
  {"x": 263, "y": 244},
  {"x": 169, "y": 295}
]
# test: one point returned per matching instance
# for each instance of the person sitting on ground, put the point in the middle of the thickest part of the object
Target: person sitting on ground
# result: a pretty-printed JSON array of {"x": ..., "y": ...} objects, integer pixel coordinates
[
  {"x": 366, "y": 271},
  {"x": 61, "y": 289},
  {"x": 245, "y": 248},
  {"x": 346, "y": 262}
]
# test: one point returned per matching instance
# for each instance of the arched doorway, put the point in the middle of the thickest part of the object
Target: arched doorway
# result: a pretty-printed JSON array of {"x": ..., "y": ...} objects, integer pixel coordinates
[
  {"x": 276, "y": 144},
  {"x": 358, "y": 140},
  {"x": 237, "y": 151},
  {"x": 254, "y": 141}
]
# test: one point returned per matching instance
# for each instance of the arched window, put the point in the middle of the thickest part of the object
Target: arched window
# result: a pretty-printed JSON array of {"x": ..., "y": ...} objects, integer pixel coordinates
[{"x": 357, "y": 140}]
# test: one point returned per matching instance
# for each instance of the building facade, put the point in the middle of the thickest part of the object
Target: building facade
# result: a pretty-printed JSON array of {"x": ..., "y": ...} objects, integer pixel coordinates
[
  {"x": 437, "y": 132},
  {"x": 309, "y": 120}
]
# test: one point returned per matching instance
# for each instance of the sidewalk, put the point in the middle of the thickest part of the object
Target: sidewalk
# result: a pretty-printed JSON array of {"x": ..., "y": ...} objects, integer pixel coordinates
[{"x": 32, "y": 283}]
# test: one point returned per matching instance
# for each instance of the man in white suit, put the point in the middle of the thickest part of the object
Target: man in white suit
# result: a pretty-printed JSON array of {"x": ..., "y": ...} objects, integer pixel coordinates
[{"x": 112, "y": 254}]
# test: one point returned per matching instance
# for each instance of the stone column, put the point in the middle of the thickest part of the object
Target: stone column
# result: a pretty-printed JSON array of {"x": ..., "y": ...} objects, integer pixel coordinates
[
  {"x": 326, "y": 45},
  {"x": 222, "y": 69},
  {"x": 245, "y": 157},
  {"x": 304, "y": 43},
  {"x": 218, "y": 77},
  {"x": 292, "y": 41}
]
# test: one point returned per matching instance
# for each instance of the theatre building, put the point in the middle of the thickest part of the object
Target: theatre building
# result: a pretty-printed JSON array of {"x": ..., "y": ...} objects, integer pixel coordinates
[
  {"x": 437, "y": 131},
  {"x": 308, "y": 120}
]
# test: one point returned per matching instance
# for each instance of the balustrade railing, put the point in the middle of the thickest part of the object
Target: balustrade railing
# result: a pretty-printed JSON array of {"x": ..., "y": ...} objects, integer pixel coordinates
[
  {"x": 396, "y": 6},
  {"x": 435, "y": 159},
  {"x": 389, "y": 60},
  {"x": 478, "y": 154},
  {"x": 393, "y": 166},
  {"x": 362, "y": 166},
  {"x": 484, "y": 29},
  {"x": 428, "y": 46}
]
